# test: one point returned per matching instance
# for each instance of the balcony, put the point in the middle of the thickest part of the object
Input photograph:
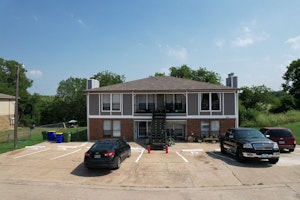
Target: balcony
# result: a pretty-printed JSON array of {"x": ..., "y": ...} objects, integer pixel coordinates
[{"x": 168, "y": 108}]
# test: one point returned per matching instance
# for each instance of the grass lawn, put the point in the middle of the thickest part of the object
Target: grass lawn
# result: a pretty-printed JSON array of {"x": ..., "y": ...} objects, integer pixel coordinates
[
  {"x": 27, "y": 137},
  {"x": 295, "y": 128}
]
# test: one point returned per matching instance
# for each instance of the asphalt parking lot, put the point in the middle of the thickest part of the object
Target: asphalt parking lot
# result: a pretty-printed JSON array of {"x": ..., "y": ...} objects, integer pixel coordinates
[{"x": 192, "y": 166}]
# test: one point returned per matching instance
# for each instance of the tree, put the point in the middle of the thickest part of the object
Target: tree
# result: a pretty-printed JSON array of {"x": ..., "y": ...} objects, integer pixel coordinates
[
  {"x": 70, "y": 101},
  {"x": 284, "y": 104},
  {"x": 201, "y": 74},
  {"x": 159, "y": 74},
  {"x": 108, "y": 78},
  {"x": 8, "y": 77},
  {"x": 71, "y": 88},
  {"x": 256, "y": 97},
  {"x": 292, "y": 81}
]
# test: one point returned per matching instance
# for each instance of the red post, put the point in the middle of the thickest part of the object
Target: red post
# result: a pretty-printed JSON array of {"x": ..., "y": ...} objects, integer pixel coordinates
[
  {"x": 149, "y": 148},
  {"x": 167, "y": 148}
]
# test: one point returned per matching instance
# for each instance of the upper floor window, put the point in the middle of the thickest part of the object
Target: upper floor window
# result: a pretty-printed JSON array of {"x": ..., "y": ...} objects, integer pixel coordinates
[
  {"x": 210, "y": 101},
  {"x": 111, "y": 102},
  {"x": 205, "y": 101},
  {"x": 215, "y": 101},
  {"x": 116, "y": 99}
]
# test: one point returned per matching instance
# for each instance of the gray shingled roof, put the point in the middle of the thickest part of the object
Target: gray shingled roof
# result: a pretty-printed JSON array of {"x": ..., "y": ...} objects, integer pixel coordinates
[
  {"x": 6, "y": 96},
  {"x": 162, "y": 84}
]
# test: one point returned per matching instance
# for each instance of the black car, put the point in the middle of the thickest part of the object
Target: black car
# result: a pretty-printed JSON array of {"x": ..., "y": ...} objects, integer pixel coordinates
[
  {"x": 249, "y": 143},
  {"x": 107, "y": 153}
]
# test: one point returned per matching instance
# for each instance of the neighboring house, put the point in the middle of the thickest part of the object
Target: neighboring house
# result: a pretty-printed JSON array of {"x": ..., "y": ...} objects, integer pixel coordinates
[
  {"x": 7, "y": 110},
  {"x": 189, "y": 107}
]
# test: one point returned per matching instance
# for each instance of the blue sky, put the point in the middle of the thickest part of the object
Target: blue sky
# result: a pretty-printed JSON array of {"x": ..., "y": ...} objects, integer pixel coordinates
[{"x": 59, "y": 39}]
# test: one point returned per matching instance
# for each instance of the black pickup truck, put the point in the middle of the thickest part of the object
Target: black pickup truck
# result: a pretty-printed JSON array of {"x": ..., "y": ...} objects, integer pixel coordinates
[{"x": 249, "y": 143}]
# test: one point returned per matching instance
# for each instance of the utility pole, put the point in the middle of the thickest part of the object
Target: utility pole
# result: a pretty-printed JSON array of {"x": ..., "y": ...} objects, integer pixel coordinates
[{"x": 16, "y": 109}]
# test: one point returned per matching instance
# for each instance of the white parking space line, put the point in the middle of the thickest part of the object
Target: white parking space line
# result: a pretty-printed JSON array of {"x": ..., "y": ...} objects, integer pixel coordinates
[
  {"x": 192, "y": 150},
  {"x": 72, "y": 147},
  {"x": 141, "y": 154},
  {"x": 65, "y": 155},
  {"x": 183, "y": 158},
  {"x": 34, "y": 147},
  {"x": 31, "y": 153}
]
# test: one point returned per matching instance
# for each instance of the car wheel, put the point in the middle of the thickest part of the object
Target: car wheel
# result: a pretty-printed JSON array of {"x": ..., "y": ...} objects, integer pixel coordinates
[
  {"x": 291, "y": 150},
  {"x": 239, "y": 155},
  {"x": 223, "y": 151},
  {"x": 117, "y": 163},
  {"x": 273, "y": 161}
]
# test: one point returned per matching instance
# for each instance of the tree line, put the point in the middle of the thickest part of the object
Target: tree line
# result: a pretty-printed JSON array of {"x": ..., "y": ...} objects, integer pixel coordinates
[{"x": 70, "y": 100}]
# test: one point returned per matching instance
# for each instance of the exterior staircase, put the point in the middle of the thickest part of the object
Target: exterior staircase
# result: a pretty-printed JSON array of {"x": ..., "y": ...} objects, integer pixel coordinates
[{"x": 158, "y": 131}]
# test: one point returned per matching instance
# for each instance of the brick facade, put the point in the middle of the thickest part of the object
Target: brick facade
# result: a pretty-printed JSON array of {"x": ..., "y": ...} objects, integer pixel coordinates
[
  {"x": 127, "y": 127},
  {"x": 96, "y": 128},
  {"x": 194, "y": 125}
]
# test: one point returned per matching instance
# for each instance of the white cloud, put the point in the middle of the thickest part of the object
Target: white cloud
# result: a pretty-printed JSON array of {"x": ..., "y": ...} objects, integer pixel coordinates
[
  {"x": 242, "y": 42},
  {"x": 294, "y": 42},
  {"x": 34, "y": 73},
  {"x": 179, "y": 53},
  {"x": 248, "y": 35}
]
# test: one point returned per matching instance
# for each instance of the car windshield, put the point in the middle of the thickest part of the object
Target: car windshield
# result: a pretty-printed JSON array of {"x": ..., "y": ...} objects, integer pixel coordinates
[{"x": 248, "y": 134}]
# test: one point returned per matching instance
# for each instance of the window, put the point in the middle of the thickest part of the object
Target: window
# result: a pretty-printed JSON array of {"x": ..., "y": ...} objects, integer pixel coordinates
[
  {"x": 210, "y": 101},
  {"x": 205, "y": 101},
  {"x": 106, "y": 102},
  {"x": 111, "y": 128},
  {"x": 169, "y": 103},
  {"x": 107, "y": 128},
  {"x": 116, "y": 128},
  {"x": 215, "y": 99},
  {"x": 116, "y": 101},
  {"x": 179, "y": 99},
  {"x": 141, "y": 102},
  {"x": 215, "y": 128},
  {"x": 111, "y": 102}
]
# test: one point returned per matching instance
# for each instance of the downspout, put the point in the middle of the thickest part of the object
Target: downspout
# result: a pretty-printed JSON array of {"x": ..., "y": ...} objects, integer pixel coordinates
[
  {"x": 87, "y": 116},
  {"x": 237, "y": 108}
]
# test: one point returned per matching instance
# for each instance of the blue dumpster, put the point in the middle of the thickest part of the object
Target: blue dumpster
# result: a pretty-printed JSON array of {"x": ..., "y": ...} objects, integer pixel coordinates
[
  {"x": 59, "y": 137},
  {"x": 51, "y": 135}
]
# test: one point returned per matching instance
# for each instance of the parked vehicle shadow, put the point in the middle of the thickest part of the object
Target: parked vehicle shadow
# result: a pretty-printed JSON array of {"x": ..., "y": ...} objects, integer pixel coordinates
[
  {"x": 80, "y": 170},
  {"x": 231, "y": 160}
]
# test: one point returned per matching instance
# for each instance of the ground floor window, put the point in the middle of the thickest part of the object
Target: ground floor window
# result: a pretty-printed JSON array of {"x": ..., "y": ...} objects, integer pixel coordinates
[
  {"x": 116, "y": 128},
  {"x": 111, "y": 128},
  {"x": 210, "y": 128},
  {"x": 176, "y": 129}
]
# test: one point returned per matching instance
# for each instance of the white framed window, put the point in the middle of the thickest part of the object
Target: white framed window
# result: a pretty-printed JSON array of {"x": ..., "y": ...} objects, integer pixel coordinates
[
  {"x": 205, "y": 101},
  {"x": 116, "y": 129},
  {"x": 210, "y": 101},
  {"x": 111, "y": 128},
  {"x": 107, "y": 128},
  {"x": 111, "y": 102},
  {"x": 116, "y": 101},
  {"x": 106, "y": 102}
]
